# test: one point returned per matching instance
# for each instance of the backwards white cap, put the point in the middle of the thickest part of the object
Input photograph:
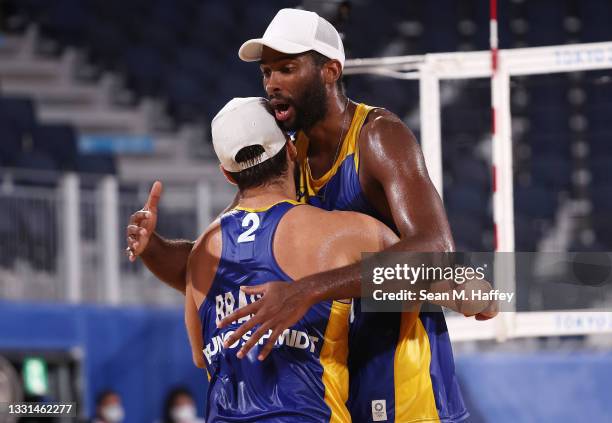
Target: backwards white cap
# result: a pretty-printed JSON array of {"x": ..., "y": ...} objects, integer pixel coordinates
[
  {"x": 241, "y": 123},
  {"x": 294, "y": 31}
]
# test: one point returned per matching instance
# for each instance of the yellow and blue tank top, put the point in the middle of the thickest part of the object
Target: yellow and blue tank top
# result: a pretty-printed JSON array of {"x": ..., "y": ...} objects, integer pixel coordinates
[
  {"x": 400, "y": 364},
  {"x": 305, "y": 377}
]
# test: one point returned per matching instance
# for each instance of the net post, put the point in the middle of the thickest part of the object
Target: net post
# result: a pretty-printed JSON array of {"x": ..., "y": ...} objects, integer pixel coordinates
[{"x": 431, "y": 143}]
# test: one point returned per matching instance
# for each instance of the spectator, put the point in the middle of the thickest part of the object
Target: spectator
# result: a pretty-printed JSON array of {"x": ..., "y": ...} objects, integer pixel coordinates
[
  {"x": 180, "y": 407},
  {"x": 109, "y": 408}
]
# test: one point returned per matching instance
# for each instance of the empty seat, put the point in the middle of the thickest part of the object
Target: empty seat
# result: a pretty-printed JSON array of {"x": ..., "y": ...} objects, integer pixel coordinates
[
  {"x": 603, "y": 230},
  {"x": 552, "y": 120},
  {"x": 59, "y": 142},
  {"x": 545, "y": 144},
  {"x": 545, "y": 19},
  {"x": 471, "y": 171},
  {"x": 11, "y": 144},
  {"x": 466, "y": 200},
  {"x": 552, "y": 171},
  {"x": 601, "y": 171},
  {"x": 96, "y": 164},
  {"x": 601, "y": 197},
  {"x": 20, "y": 111},
  {"x": 468, "y": 232},
  {"x": 187, "y": 96},
  {"x": 600, "y": 144},
  {"x": 37, "y": 168},
  {"x": 527, "y": 232},
  {"x": 535, "y": 202},
  {"x": 144, "y": 67},
  {"x": 67, "y": 21}
]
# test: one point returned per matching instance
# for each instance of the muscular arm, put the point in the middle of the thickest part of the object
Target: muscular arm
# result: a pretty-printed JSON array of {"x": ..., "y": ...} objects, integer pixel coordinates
[
  {"x": 167, "y": 260},
  {"x": 391, "y": 161}
]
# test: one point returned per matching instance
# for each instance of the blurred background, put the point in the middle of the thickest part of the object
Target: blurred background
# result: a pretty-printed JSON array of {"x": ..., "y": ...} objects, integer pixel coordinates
[{"x": 98, "y": 98}]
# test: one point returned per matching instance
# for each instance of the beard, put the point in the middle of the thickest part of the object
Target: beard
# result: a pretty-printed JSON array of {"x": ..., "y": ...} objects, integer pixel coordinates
[{"x": 310, "y": 107}]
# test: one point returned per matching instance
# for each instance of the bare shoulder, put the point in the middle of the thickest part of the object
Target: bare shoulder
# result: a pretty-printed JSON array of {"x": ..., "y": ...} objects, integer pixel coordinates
[
  {"x": 203, "y": 260},
  {"x": 321, "y": 229},
  {"x": 383, "y": 131},
  {"x": 209, "y": 242}
]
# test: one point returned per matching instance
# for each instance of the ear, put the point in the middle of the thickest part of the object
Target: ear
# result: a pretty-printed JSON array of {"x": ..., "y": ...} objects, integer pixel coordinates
[
  {"x": 332, "y": 71},
  {"x": 227, "y": 175},
  {"x": 291, "y": 151}
]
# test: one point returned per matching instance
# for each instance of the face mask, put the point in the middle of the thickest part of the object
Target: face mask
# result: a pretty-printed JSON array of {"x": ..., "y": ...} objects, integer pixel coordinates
[
  {"x": 112, "y": 413},
  {"x": 183, "y": 413}
]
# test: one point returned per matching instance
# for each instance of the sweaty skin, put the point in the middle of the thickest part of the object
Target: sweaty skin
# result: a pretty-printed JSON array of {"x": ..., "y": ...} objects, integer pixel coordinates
[
  {"x": 324, "y": 240},
  {"x": 392, "y": 173}
]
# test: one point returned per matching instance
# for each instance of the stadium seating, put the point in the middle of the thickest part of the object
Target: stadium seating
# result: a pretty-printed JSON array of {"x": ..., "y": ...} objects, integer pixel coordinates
[{"x": 174, "y": 51}]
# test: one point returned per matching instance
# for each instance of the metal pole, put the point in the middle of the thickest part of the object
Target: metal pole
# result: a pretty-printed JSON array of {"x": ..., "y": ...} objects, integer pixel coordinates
[
  {"x": 109, "y": 237},
  {"x": 71, "y": 227}
]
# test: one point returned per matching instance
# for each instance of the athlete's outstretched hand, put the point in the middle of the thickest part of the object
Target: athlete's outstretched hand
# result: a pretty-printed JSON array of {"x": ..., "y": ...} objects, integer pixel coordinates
[
  {"x": 280, "y": 307},
  {"x": 142, "y": 224}
]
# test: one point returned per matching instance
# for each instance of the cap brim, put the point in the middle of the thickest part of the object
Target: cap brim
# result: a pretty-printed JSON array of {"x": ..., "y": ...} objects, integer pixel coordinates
[{"x": 251, "y": 50}]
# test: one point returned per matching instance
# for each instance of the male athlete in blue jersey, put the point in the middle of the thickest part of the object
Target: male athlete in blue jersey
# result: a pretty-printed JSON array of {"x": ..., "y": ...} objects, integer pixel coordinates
[
  {"x": 305, "y": 377},
  {"x": 351, "y": 157}
]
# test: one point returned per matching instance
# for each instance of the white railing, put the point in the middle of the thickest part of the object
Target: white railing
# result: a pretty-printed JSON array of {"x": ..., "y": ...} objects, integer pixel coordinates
[{"x": 65, "y": 241}]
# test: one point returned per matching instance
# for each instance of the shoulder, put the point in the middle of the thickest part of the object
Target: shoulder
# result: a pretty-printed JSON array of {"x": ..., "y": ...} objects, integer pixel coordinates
[
  {"x": 351, "y": 229},
  {"x": 384, "y": 130},
  {"x": 207, "y": 247},
  {"x": 209, "y": 239}
]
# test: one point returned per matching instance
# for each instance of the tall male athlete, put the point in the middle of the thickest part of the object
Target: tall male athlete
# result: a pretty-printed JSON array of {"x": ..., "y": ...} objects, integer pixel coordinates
[
  {"x": 305, "y": 378},
  {"x": 351, "y": 157}
]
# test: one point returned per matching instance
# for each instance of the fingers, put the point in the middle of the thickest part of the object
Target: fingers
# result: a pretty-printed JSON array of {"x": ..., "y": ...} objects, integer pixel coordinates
[
  {"x": 131, "y": 255},
  {"x": 134, "y": 231},
  {"x": 239, "y": 314},
  {"x": 140, "y": 218},
  {"x": 137, "y": 238},
  {"x": 253, "y": 339},
  {"x": 244, "y": 328},
  {"x": 254, "y": 290},
  {"x": 269, "y": 344},
  {"x": 154, "y": 196}
]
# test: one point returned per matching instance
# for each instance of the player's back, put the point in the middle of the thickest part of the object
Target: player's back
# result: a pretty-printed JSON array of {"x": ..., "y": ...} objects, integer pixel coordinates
[{"x": 305, "y": 377}]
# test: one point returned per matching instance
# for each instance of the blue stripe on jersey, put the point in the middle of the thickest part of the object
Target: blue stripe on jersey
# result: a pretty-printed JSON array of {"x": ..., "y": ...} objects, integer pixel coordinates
[
  {"x": 449, "y": 400},
  {"x": 288, "y": 385}
]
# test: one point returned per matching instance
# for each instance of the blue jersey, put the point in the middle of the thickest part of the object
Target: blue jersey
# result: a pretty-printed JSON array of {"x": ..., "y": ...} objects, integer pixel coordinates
[
  {"x": 400, "y": 364},
  {"x": 305, "y": 377}
]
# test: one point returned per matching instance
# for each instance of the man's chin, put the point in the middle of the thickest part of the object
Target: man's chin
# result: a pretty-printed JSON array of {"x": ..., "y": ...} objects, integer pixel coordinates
[{"x": 289, "y": 125}]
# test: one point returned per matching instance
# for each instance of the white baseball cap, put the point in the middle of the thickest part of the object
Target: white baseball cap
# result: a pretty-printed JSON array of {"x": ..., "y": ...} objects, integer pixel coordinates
[
  {"x": 241, "y": 123},
  {"x": 294, "y": 31}
]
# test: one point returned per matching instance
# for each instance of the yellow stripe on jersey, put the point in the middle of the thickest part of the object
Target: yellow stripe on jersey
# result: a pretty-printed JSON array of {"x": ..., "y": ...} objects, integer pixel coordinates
[
  {"x": 333, "y": 359},
  {"x": 414, "y": 396},
  {"x": 263, "y": 209},
  {"x": 350, "y": 145}
]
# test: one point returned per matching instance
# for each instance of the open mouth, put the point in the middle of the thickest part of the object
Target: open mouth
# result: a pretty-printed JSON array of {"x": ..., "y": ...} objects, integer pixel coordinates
[{"x": 282, "y": 111}]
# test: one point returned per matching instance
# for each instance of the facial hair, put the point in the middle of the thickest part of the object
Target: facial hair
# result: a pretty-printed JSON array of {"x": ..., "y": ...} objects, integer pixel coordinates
[{"x": 310, "y": 107}]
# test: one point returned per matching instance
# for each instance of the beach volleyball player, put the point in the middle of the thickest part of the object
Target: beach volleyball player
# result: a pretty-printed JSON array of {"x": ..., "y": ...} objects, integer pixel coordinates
[
  {"x": 305, "y": 378},
  {"x": 350, "y": 157}
]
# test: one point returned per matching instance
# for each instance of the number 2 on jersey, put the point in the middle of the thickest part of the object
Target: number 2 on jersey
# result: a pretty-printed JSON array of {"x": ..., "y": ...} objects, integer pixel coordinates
[{"x": 252, "y": 220}]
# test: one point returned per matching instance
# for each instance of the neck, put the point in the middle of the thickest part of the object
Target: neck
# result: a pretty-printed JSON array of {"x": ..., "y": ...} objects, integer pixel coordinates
[
  {"x": 266, "y": 195},
  {"x": 324, "y": 136}
]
